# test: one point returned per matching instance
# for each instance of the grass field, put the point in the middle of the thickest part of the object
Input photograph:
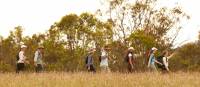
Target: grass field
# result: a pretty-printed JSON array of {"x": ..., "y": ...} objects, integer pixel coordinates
[{"x": 100, "y": 80}]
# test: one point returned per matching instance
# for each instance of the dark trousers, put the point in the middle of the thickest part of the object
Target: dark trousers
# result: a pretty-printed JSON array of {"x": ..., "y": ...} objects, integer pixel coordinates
[
  {"x": 20, "y": 67},
  {"x": 130, "y": 69},
  {"x": 164, "y": 69},
  {"x": 38, "y": 68},
  {"x": 91, "y": 69}
]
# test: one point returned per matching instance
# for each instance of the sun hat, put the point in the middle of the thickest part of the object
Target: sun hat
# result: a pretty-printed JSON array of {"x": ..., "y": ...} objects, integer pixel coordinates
[
  {"x": 154, "y": 48},
  {"x": 23, "y": 46},
  {"x": 130, "y": 48}
]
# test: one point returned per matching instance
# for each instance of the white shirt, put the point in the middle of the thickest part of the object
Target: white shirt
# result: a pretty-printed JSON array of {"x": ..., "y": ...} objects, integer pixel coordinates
[
  {"x": 38, "y": 57},
  {"x": 130, "y": 55},
  {"x": 104, "y": 62},
  {"x": 104, "y": 58},
  {"x": 103, "y": 53},
  {"x": 21, "y": 57},
  {"x": 165, "y": 61}
]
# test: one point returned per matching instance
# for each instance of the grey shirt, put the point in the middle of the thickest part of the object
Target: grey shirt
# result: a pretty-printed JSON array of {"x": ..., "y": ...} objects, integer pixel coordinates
[
  {"x": 90, "y": 60},
  {"x": 38, "y": 57}
]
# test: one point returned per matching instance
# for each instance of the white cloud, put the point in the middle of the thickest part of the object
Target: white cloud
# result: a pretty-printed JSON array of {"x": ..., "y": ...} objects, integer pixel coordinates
[{"x": 37, "y": 15}]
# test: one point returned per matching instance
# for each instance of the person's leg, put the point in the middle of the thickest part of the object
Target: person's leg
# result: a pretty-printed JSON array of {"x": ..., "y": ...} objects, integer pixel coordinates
[
  {"x": 129, "y": 68},
  {"x": 153, "y": 67},
  {"x": 103, "y": 68},
  {"x": 17, "y": 68},
  {"x": 89, "y": 70},
  {"x": 107, "y": 69},
  {"x": 92, "y": 69},
  {"x": 164, "y": 70},
  {"x": 38, "y": 68},
  {"x": 20, "y": 67}
]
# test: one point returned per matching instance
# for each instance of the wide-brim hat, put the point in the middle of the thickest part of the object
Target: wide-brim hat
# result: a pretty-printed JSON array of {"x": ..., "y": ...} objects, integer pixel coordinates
[
  {"x": 23, "y": 46},
  {"x": 131, "y": 48},
  {"x": 91, "y": 50},
  {"x": 154, "y": 48},
  {"x": 106, "y": 48},
  {"x": 41, "y": 47}
]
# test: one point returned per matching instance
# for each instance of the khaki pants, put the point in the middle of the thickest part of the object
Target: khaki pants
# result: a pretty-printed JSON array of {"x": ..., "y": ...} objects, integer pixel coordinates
[
  {"x": 105, "y": 68},
  {"x": 153, "y": 67}
]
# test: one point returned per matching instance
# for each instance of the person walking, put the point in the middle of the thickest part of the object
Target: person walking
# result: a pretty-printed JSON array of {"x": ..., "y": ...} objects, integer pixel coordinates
[
  {"x": 39, "y": 55},
  {"x": 104, "y": 59},
  {"x": 152, "y": 60},
  {"x": 130, "y": 59},
  {"x": 164, "y": 59},
  {"x": 21, "y": 59},
  {"x": 90, "y": 61}
]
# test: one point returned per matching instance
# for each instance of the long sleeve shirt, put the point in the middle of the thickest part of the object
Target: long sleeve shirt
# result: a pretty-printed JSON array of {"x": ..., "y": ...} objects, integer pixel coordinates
[
  {"x": 21, "y": 57},
  {"x": 165, "y": 61},
  {"x": 104, "y": 58},
  {"x": 38, "y": 58},
  {"x": 90, "y": 60}
]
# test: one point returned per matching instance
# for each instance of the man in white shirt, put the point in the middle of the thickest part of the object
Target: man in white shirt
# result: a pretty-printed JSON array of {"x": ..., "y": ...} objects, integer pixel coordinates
[{"x": 21, "y": 59}]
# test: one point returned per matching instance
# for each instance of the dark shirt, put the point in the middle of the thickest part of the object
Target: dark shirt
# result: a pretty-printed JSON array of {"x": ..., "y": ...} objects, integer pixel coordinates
[{"x": 90, "y": 60}]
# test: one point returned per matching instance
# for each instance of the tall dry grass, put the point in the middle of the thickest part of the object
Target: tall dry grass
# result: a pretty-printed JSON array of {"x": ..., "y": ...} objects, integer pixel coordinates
[{"x": 100, "y": 80}]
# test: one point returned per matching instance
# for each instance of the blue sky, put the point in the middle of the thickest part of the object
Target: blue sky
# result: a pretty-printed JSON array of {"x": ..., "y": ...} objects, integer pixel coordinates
[{"x": 37, "y": 15}]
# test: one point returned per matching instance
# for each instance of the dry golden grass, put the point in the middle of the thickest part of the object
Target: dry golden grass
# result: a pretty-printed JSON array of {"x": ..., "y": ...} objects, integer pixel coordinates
[{"x": 100, "y": 80}]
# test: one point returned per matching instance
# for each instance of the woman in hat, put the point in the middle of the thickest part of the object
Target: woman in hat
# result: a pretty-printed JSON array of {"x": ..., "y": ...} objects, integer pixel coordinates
[
  {"x": 152, "y": 60},
  {"x": 130, "y": 59},
  {"x": 21, "y": 59},
  {"x": 38, "y": 59},
  {"x": 104, "y": 59}
]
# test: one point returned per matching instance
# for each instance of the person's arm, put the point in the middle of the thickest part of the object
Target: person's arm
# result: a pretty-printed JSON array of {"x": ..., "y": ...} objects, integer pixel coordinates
[
  {"x": 171, "y": 56},
  {"x": 150, "y": 58},
  {"x": 130, "y": 61},
  {"x": 36, "y": 57},
  {"x": 158, "y": 62},
  {"x": 167, "y": 68}
]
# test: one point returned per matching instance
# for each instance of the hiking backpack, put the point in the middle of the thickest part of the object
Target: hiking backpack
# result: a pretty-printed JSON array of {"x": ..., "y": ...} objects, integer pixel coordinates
[
  {"x": 99, "y": 58},
  {"x": 17, "y": 57},
  {"x": 160, "y": 59},
  {"x": 86, "y": 60}
]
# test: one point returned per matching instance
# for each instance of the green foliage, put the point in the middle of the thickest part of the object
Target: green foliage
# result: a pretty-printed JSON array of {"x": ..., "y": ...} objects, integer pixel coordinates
[{"x": 187, "y": 58}]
